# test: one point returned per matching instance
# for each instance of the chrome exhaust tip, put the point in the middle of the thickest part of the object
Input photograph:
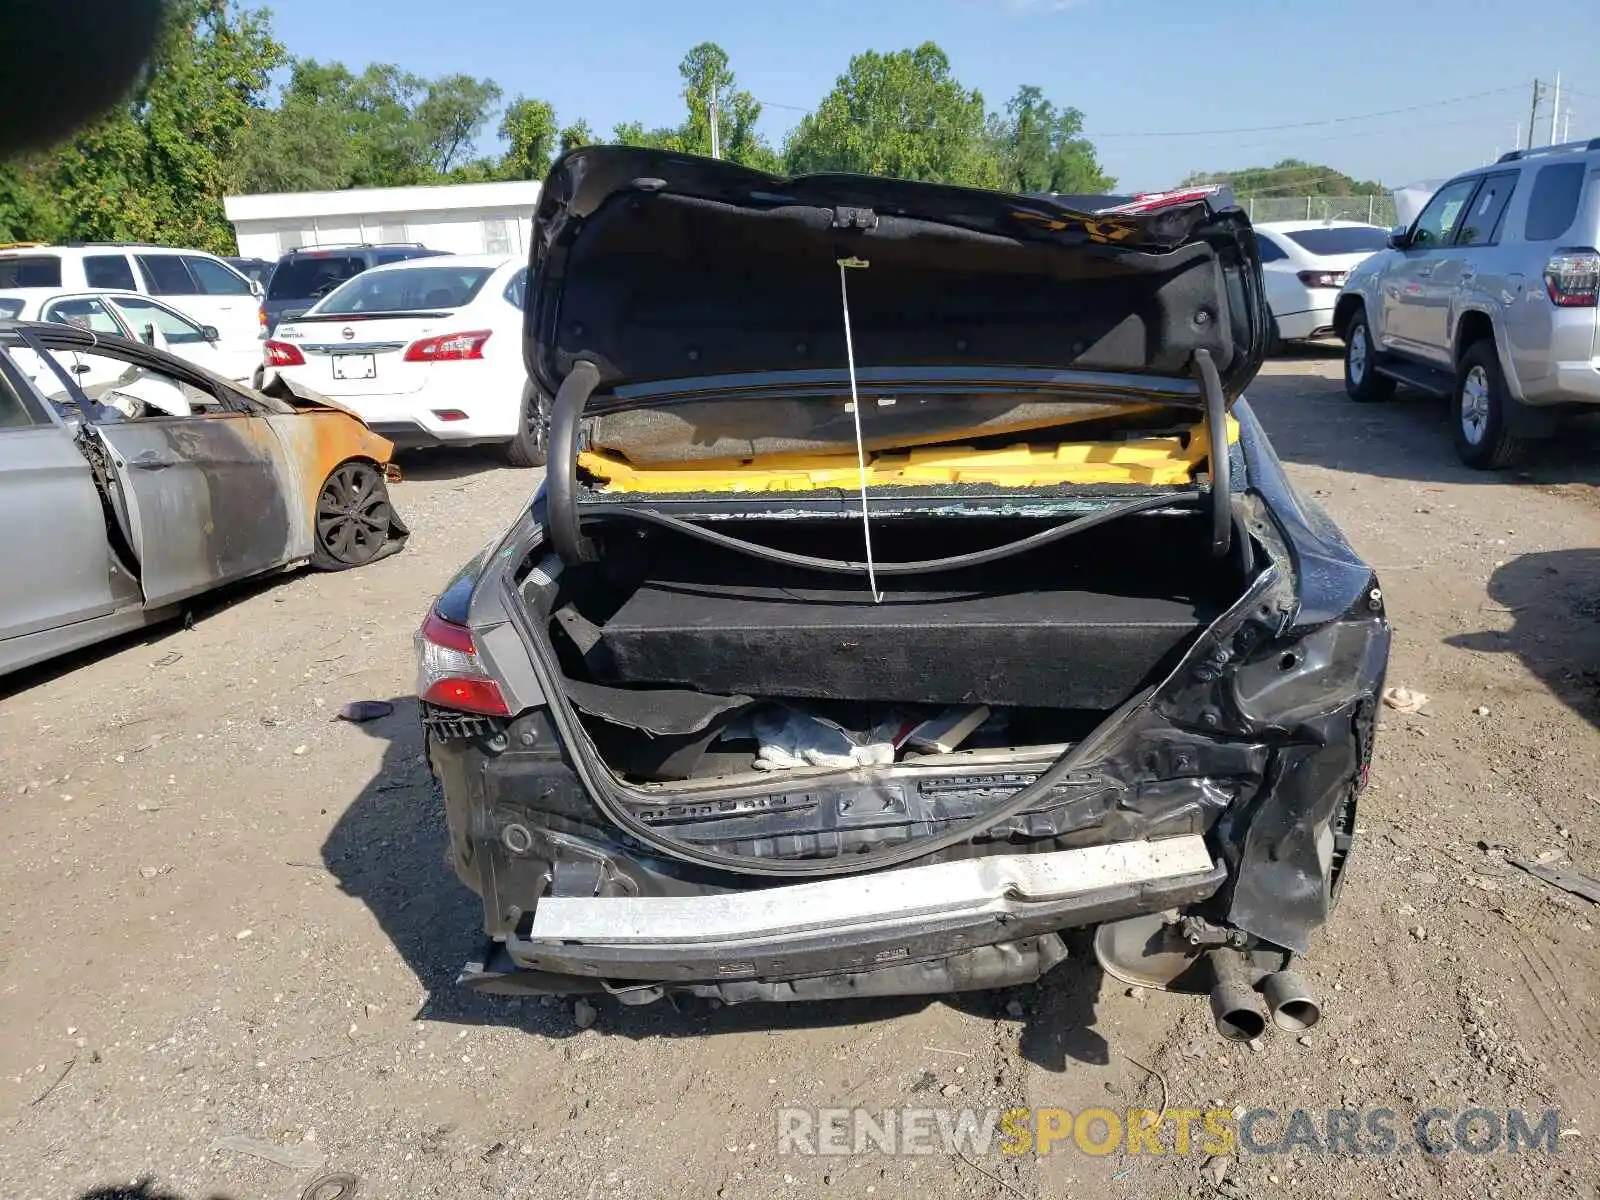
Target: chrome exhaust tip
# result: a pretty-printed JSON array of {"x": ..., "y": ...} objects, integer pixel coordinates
[
  {"x": 1290, "y": 1000},
  {"x": 1234, "y": 1010}
]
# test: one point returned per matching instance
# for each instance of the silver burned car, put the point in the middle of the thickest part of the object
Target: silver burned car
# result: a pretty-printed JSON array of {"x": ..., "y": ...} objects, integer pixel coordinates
[
  {"x": 132, "y": 480},
  {"x": 1489, "y": 299}
]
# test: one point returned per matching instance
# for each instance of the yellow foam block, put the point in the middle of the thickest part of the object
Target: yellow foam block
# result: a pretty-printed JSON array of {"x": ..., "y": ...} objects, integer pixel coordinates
[{"x": 1169, "y": 461}]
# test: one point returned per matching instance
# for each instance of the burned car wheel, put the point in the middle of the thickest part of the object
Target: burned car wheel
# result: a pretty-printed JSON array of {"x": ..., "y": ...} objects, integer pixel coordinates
[{"x": 353, "y": 518}]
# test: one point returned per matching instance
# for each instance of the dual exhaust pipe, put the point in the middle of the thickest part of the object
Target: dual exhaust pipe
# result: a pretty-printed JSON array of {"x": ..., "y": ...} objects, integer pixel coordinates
[{"x": 1234, "y": 1005}]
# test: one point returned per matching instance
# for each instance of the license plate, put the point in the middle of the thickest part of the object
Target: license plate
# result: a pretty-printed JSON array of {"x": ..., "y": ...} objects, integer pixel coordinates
[{"x": 355, "y": 366}]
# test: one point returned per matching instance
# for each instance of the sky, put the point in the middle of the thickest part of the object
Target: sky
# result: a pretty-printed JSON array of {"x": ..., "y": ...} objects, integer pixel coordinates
[{"x": 1165, "y": 87}]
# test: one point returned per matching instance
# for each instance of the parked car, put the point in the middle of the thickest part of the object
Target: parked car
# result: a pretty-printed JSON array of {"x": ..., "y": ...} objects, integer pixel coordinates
[
  {"x": 142, "y": 319},
  {"x": 1488, "y": 298},
  {"x": 428, "y": 351},
  {"x": 863, "y": 648},
  {"x": 1305, "y": 264},
  {"x": 257, "y": 270},
  {"x": 117, "y": 512},
  {"x": 304, "y": 276},
  {"x": 201, "y": 285}
]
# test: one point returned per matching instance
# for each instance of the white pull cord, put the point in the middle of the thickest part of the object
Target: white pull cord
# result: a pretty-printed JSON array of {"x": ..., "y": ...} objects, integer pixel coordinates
[{"x": 846, "y": 264}]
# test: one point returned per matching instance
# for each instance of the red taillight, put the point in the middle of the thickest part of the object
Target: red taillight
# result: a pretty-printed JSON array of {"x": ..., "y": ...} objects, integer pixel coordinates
[
  {"x": 448, "y": 347},
  {"x": 284, "y": 354},
  {"x": 1572, "y": 277},
  {"x": 450, "y": 673},
  {"x": 1322, "y": 279}
]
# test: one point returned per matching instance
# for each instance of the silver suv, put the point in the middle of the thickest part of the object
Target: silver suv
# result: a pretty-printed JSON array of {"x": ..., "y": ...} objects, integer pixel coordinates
[{"x": 1489, "y": 299}]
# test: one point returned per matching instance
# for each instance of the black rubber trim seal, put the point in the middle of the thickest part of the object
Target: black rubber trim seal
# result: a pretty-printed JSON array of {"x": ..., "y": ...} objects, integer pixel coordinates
[
  {"x": 1205, "y": 371},
  {"x": 929, "y": 566},
  {"x": 561, "y": 467}
]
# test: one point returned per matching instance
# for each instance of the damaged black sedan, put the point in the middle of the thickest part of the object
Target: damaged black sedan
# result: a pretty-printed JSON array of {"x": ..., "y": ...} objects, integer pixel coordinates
[{"x": 911, "y": 584}]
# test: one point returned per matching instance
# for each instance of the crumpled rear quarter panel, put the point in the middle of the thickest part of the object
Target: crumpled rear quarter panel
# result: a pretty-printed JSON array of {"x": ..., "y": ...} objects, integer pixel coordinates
[{"x": 315, "y": 441}]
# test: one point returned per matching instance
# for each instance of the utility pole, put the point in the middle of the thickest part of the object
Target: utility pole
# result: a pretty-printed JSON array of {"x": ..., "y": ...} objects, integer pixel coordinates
[
  {"x": 1555, "y": 110},
  {"x": 1533, "y": 112},
  {"x": 716, "y": 138},
  {"x": 1566, "y": 123}
]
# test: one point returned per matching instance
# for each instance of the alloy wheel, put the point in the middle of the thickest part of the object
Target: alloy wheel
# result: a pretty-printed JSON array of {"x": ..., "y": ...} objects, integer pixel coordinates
[
  {"x": 353, "y": 517},
  {"x": 1475, "y": 405},
  {"x": 1358, "y": 354}
]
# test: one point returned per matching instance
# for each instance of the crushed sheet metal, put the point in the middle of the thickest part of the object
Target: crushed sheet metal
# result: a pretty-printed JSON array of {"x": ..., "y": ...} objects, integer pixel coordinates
[
  {"x": 833, "y": 905},
  {"x": 316, "y": 442},
  {"x": 239, "y": 486}
]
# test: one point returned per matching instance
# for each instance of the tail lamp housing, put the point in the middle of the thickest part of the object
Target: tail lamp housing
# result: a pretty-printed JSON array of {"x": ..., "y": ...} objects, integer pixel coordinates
[{"x": 449, "y": 672}]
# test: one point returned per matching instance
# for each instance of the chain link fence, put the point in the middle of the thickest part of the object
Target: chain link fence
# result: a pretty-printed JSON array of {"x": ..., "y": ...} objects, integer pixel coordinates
[{"x": 1374, "y": 210}]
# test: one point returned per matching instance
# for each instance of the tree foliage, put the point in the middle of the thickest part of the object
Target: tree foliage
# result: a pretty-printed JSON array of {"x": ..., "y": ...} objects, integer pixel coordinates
[
  {"x": 203, "y": 123},
  {"x": 529, "y": 131},
  {"x": 708, "y": 83},
  {"x": 1040, "y": 149},
  {"x": 1290, "y": 177},
  {"x": 902, "y": 114},
  {"x": 157, "y": 166}
]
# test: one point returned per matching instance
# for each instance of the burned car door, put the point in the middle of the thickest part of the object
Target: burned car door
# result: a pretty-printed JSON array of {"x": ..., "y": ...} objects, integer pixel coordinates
[
  {"x": 53, "y": 537},
  {"x": 202, "y": 498}
]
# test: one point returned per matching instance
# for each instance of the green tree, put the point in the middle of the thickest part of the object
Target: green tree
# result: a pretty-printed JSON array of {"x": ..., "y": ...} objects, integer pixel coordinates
[
  {"x": 902, "y": 114},
  {"x": 385, "y": 127},
  {"x": 575, "y": 135},
  {"x": 708, "y": 81},
  {"x": 1040, "y": 149},
  {"x": 157, "y": 167},
  {"x": 453, "y": 111},
  {"x": 529, "y": 131},
  {"x": 1289, "y": 177},
  {"x": 29, "y": 211},
  {"x": 633, "y": 133}
]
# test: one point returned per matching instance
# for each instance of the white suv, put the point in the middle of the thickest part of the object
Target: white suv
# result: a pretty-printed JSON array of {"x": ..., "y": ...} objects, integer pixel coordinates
[{"x": 198, "y": 284}]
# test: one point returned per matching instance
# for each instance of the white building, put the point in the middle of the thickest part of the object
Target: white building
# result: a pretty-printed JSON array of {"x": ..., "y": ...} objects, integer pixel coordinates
[{"x": 462, "y": 218}]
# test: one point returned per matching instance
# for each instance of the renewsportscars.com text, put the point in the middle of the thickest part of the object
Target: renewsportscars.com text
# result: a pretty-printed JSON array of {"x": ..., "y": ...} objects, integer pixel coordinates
[{"x": 1178, "y": 1131}]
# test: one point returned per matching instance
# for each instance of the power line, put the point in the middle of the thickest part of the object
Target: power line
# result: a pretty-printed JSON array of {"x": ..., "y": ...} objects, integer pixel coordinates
[
  {"x": 1388, "y": 112},
  {"x": 1090, "y": 134}
]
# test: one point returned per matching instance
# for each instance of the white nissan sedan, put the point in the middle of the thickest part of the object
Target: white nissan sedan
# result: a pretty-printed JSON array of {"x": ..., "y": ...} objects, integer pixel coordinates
[{"x": 427, "y": 352}]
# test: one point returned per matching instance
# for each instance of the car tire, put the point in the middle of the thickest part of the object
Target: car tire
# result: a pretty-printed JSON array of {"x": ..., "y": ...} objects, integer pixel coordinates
[
  {"x": 1274, "y": 340},
  {"x": 353, "y": 521},
  {"x": 1362, "y": 383},
  {"x": 528, "y": 448},
  {"x": 1479, "y": 407}
]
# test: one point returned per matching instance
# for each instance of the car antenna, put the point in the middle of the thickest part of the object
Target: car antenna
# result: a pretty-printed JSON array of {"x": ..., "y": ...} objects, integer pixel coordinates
[{"x": 847, "y": 265}]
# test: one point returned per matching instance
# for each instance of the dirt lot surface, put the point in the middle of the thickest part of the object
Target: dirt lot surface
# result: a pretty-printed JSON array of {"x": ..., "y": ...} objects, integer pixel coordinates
[{"x": 227, "y": 914}]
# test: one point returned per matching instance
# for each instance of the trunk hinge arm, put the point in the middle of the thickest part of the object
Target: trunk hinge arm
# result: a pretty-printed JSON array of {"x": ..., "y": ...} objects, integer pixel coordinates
[
  {"x": 1218, "y": 461},
  {"x": 561, "y": 468}
]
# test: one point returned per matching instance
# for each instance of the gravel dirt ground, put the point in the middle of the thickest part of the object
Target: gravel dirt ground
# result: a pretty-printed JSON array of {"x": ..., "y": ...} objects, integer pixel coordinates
[{"x": 228, "y": 914}]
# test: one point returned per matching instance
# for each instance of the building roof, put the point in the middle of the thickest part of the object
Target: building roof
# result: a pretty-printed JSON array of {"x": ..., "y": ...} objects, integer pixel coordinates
[{"x": 280, "y": 206}]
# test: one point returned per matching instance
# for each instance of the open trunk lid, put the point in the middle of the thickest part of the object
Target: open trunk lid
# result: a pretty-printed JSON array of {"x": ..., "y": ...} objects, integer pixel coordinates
[{"x": 681, "y": 278}]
